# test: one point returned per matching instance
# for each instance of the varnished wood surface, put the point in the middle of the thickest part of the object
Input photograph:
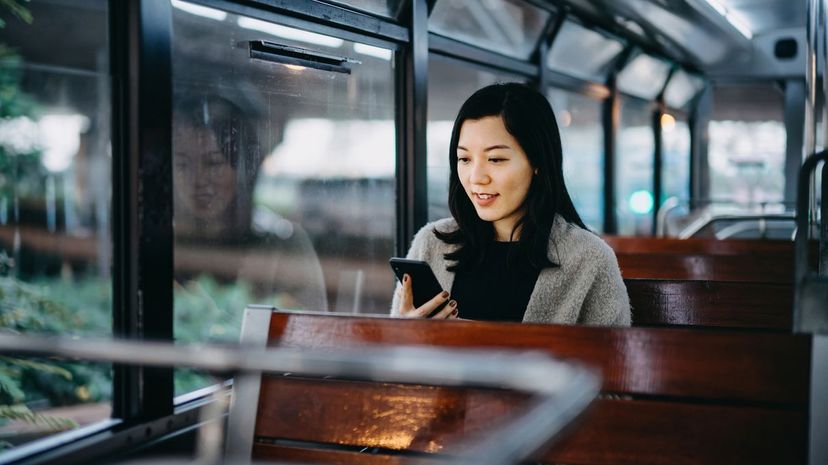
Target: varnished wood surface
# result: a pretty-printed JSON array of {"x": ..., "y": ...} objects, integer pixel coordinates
[
  {"x": 711, "y": 303},
  {"x": 287, "y": 454},
  {"x": 658, "y": 245},
  {"x": 429, "y": 419},
  {"x": 744, "y": 366},
  {"x": 752, "y": 268}
]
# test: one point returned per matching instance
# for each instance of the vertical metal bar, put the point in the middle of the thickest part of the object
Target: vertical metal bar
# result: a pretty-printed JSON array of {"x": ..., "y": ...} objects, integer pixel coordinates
[
  {"x": 699, "y": 167},
  {"x": 142, "y": 204},
  {"x": 658, "y": 162},
  {"x": 611, "y": 116},
  {"x": 412, "y": 194},
  {"x": 811, "y": 77},
  {"x": 544, "y": 46},
  {"x": 795, "y": 101},
  {"x": 818, "y": 427}
]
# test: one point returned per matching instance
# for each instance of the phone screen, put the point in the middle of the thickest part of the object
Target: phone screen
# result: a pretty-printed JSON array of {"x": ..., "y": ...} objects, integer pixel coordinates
[{"x": 423, "y": 282}]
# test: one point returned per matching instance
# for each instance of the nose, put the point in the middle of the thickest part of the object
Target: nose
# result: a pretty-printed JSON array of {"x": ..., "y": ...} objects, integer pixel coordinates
[{"x": 479, "y": 173}]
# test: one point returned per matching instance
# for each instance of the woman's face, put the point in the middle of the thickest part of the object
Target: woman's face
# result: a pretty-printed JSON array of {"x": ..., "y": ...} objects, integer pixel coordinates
[
  {"x": 204, "y": 180},
  {"x": 495, "y": 173}
]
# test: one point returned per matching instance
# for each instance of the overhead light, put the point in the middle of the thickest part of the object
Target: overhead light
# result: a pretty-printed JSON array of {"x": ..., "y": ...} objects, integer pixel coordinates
[
  {"x": 731, "y": 18},
  {"x": 382, "y": 53},
  {"x": 199, "y": 10},
  {"x": 289, "y": 32}
]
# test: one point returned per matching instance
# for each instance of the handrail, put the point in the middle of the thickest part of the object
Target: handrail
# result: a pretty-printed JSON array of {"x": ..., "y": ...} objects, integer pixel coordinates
[
  {"x": 707, "y": 220},
  {"x": 810, "y": 313},
  {"x": 562, "y": 389}
]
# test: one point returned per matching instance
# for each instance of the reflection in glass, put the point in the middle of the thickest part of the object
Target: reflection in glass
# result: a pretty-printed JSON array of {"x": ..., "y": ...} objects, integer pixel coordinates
[
  {"x": 634, "y": 168},
  {"x": 55, "y": 200},
  {"x": 582, "y": 136},
  {"x": 643, "y": 77},
  {"x": 746, "y": 149},
  {"x": 450, "y": 84},
  {"x": 681, "y": 89},
  {"x": 283, "y": 177},
  {"x": 582, "y": 53},
  {"x": 675, "y": 171},
  {"x": 509, "y": 27}
]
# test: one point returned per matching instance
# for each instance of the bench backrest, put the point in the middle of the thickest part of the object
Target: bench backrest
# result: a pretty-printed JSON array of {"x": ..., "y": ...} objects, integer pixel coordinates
[
  {"x": 683, "y": 395},
  {"x": 664, "y": 245}
]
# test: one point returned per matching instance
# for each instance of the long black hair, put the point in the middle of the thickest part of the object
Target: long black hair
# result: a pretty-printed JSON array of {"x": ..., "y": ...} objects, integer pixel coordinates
[{"x": 529, "y": 118}]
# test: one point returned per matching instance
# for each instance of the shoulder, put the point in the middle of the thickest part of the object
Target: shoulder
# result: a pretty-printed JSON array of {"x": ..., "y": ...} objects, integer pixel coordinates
[
  {"x": 568, "y": 242},
  {"x": 425, "y": 241}
]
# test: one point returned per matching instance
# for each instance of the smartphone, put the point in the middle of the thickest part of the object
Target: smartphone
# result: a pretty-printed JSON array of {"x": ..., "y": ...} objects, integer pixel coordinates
[{"x": 424, "y": 284}]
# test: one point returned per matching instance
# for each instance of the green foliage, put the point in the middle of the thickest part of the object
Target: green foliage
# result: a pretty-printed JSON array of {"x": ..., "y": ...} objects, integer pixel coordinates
[
  {"x": 54, "y": 306},
  {"x": 17, "y": 9},
  {"x": 207, "y": 311}
]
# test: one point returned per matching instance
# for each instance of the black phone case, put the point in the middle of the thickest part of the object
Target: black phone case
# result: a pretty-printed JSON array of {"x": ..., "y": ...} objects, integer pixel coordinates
[{"x": 424, "y": 284}]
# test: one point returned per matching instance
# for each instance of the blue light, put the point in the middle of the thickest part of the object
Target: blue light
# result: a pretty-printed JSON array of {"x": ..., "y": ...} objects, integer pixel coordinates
[{"x": 641, "y": 202}]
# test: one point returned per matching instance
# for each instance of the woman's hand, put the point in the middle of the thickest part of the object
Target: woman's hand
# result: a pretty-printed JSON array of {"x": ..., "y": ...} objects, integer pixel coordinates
[{"x": 407, "y": 309}]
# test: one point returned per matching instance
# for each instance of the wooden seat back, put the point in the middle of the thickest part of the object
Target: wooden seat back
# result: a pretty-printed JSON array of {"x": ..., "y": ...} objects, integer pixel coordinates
[{"x": 671, "y": 395}]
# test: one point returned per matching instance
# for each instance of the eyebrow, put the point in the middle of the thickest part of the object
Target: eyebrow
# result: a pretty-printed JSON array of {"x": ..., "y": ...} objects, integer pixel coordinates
[{"x": 487, "y": 149}]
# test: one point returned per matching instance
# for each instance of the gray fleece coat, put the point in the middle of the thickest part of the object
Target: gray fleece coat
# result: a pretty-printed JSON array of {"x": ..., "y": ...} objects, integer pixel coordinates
[{"x": 586, "y": 289}]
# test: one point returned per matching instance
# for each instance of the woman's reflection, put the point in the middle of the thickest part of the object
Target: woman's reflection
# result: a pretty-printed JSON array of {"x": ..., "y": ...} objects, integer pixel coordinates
[{"x": 218, "y": 150}]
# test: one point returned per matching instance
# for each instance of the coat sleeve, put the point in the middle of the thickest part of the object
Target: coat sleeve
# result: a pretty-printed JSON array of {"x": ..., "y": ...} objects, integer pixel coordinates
[
  {"x": 606, "y": 302},
  {"x": 417, "y": 251}
]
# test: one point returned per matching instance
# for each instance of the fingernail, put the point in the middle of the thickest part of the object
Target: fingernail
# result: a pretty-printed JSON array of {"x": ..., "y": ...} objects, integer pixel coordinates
[
  {"x": 455, "y": 312},
  {"x": 453, "y": 303},
  {"x": 445, "y": 294},
  {"x": 405, "y": 278}
]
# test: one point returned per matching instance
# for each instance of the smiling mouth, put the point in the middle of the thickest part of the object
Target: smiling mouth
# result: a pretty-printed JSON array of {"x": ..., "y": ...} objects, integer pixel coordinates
[{"x": 484, "y": 199}]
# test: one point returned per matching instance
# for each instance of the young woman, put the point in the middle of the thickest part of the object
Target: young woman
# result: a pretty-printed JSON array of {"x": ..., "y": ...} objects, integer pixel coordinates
[{"x": 515, "y": 249}]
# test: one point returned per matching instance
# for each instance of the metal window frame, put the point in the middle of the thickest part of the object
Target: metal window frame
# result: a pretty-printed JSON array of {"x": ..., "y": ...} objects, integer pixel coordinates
[{"x": 140, "y": 33}]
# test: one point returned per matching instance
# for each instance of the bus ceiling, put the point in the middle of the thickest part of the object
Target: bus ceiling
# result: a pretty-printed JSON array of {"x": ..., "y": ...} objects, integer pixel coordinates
[{"x": 725, "y": 39}]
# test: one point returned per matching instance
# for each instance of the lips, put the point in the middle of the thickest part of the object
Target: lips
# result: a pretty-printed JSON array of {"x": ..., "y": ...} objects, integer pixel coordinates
[{"x": 484, "y": 199}]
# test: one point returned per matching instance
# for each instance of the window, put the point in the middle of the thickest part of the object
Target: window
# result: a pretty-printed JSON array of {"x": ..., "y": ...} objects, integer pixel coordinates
[
  {"x": 582, "y": 136},
  {"x": 509, "y": 27},
  {"x": 643, "y": 77},
  {"x": 681, "y": 89},
  {"x": 387, "y": 8},
  {"x": 634, "y": 167},
  {"x": 746, "y": 151},
  {"x": 582, "y": 53},
  {"x": 283, "y": 174},
  {"x": 55, "y": 199},
  {"x": 450, "y": 84},
  {"x": 675, "y": 168}
]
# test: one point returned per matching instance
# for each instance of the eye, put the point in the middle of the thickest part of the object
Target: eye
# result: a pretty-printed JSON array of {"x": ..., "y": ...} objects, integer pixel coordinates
[
  {"x": 463, "y": 160},
  {"x": 496, "y": 159}
]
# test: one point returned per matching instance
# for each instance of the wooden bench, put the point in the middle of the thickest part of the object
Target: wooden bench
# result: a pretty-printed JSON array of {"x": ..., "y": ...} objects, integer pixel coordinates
[
  {"x": 659, "y": 245},
  {"x": 697, "y": 267},
  {"x": 673, "y": 396},
  {"x": 765, "y": 306}
]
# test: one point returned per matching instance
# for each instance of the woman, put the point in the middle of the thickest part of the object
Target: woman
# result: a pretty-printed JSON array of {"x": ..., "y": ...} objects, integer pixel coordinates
[{"x": 515, "y": 249}]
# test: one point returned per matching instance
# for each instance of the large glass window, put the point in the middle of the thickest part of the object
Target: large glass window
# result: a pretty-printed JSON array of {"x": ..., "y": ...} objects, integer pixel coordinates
[
  {"x": 582, "y": 136},
  {"x": 283, "y": 173},
  {"x": 634, "y": 167},
  {"x": 681, "y": 89},
  {"x": 746, "y": 151},
  {"x": 675, "y": 168},
  {"x": 580, "y": 52},
  {"x": 509, "y": 27},
  {"x": 55, "y": 199},
  {"x": 450, "y": 84},
  {"x": 644, "y": 77}
]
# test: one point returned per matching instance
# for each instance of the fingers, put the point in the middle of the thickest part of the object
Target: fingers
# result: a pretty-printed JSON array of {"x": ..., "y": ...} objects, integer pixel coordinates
[
  {"x": 449, "y": 312},
  {"x": 406, "y": 296}
]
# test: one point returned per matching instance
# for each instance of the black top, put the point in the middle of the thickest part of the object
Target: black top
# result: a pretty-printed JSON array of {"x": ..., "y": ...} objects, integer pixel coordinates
[{"x": 498, "y": 289}]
